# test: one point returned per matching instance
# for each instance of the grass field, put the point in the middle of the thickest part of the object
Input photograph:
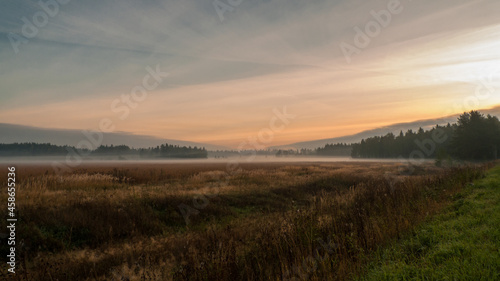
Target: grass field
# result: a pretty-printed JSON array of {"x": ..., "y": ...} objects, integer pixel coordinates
[
  {"x": 251, "y": 221},
  {"x": 462, "y": 243}
]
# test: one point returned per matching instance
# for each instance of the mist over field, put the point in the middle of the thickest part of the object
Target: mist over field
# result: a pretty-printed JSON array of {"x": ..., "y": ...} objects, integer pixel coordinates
[{"x": 232, "y": 159}]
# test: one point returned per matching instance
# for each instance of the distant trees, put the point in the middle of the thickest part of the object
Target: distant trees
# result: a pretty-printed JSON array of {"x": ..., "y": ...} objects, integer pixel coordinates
[
  {"x": 293, "y": 152},
  {"x": 31, "y": 149},
  {"x": 45, "y": 149},
  {"x": 116, "y": 150},
  {"x": 473, "y": 137},
  {"x": 403, "y": 145},
  {"x": 339, "y": 149},
  {"x": 173, "y": 151}
]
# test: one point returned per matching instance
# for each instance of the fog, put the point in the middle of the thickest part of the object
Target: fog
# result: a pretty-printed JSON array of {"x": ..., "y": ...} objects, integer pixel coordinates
[{"x": 243, "y": 159}]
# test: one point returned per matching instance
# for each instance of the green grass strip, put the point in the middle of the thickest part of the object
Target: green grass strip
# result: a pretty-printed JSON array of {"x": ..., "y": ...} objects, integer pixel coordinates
[{"x": 462, "y": 243}]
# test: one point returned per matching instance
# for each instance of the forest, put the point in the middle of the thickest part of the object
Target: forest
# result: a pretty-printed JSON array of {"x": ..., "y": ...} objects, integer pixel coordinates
[
  {"x": 32, "y": 149},
  {"x": 173, "y": 151},
  {"x": 47, "y": 149},
  {"x": 474, "y": 137}
]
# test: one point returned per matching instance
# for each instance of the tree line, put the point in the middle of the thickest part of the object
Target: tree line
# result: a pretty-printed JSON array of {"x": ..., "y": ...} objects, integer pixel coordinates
[
  {"x": 173, "y": 151},
  {"x": 32, "y": 149},
  {"x": 339, "y": 149},
  {"x": 47, "y": 149},
  {"x": 474, "y": 137}
]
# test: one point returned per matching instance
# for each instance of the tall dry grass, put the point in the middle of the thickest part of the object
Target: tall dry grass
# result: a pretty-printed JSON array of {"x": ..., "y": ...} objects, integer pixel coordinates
[{"x": 268, "y": 222}]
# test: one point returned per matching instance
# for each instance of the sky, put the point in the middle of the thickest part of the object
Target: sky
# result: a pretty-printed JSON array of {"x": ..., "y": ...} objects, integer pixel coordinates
[{"x": 223, "y": 71}]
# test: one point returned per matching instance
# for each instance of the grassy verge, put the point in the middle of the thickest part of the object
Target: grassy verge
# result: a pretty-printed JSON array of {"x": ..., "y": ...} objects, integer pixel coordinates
[{"x": 463, "y": 243}]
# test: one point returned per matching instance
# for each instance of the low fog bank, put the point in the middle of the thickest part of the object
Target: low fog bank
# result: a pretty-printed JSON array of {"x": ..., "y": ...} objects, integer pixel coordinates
[{"x": 237, "y": 159}]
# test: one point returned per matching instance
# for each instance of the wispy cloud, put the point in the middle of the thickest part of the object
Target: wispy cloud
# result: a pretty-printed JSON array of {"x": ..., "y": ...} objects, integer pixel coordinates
[{"x": 227, "y": 76}]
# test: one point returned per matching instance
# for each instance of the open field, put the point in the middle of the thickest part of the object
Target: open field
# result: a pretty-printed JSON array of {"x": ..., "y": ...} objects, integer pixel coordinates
[{"x": 249, "y": 221}]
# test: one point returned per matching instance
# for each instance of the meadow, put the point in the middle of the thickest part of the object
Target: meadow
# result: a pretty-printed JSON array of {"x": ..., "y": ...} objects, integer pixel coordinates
[{"x": 198, "y": 221}]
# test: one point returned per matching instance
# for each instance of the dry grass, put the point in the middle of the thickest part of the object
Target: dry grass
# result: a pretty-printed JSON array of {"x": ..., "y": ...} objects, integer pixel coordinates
[{"x": 266, "y": 222}]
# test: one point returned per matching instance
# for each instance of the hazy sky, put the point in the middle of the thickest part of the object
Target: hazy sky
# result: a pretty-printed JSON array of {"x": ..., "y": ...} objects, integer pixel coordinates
[{"x": 229, "y": 71}]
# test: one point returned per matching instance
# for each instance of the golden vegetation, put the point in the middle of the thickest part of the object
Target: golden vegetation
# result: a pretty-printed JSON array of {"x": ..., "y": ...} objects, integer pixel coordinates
[{"x": 267, "y": 221}]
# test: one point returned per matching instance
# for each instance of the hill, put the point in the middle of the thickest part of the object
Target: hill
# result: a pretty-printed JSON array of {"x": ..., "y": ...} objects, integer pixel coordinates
[
  {"x": 394, "y": 128},
  {"x": 10, "y": 133}
]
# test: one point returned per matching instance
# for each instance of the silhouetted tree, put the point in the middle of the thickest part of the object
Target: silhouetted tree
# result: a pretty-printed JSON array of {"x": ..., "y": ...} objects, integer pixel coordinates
[
  {"x": 476, "y": 137},
  {"x": 339, "y": 149}
]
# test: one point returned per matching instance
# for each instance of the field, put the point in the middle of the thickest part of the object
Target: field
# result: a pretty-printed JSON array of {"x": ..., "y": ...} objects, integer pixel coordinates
[{"x": 246, "y": 221}]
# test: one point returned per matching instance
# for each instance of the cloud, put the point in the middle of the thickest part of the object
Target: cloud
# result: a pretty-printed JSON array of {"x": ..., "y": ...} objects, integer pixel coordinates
[{"x": 225, "y": 77}]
